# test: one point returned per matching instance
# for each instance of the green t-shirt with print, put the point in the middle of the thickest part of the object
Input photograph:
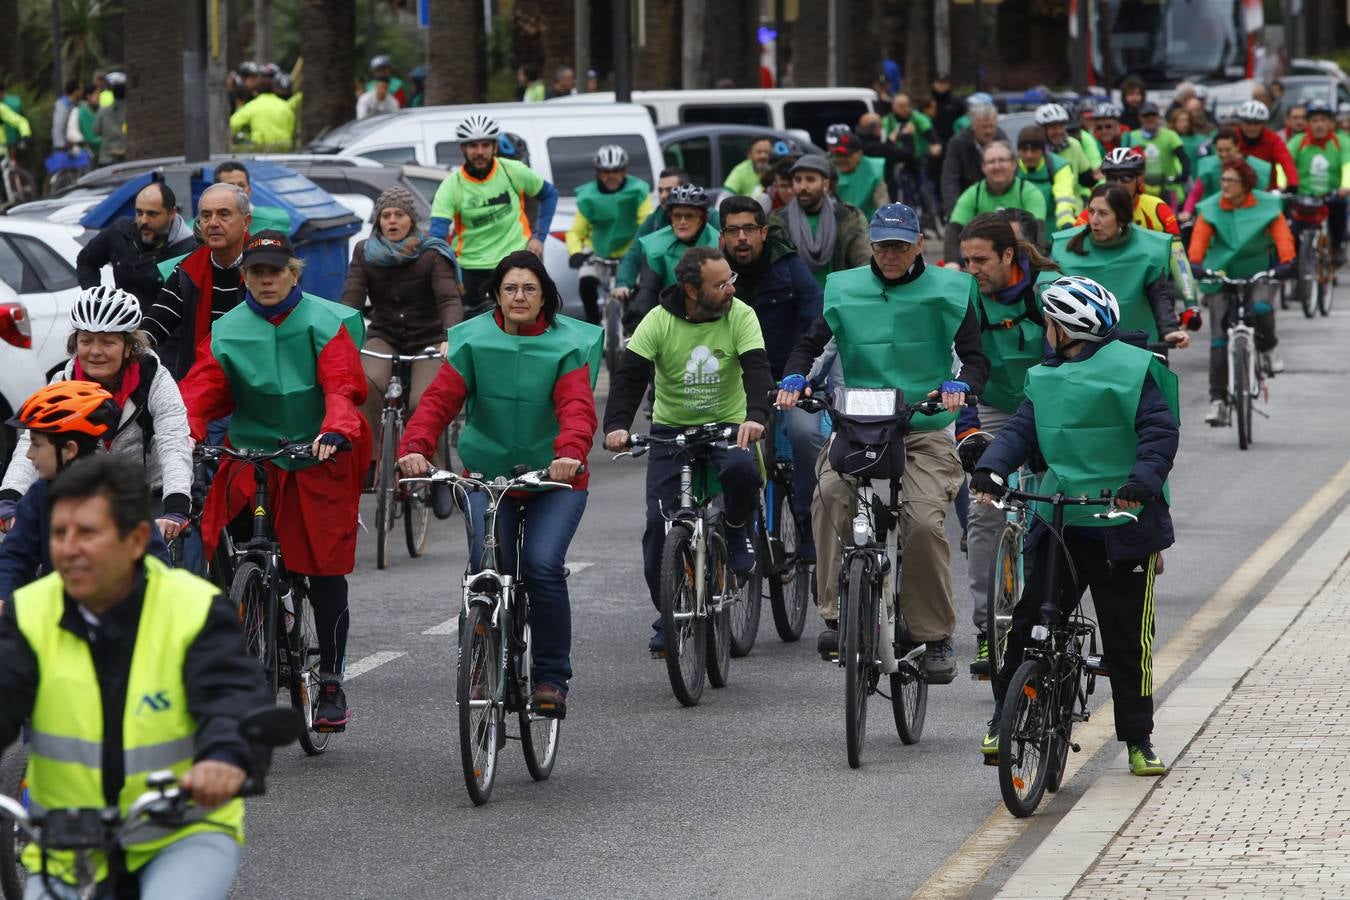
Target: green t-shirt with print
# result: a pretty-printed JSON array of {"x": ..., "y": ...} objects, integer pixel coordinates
[
  {"x": 698, "y": 364},
  {"x": 487, "y": 215}
]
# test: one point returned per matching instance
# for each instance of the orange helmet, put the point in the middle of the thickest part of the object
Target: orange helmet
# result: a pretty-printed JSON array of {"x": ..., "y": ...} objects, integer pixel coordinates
[{"x": 68, "y": 407}]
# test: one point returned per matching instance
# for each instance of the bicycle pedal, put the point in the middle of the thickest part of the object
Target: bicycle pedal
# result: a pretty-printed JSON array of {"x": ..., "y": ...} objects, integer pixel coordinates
[
  {"x": 980, "y": 677},
  {"x": 329, "y": 729},
  {"x": 991, "y": 760},
  {"x": 549, "y": 711}
]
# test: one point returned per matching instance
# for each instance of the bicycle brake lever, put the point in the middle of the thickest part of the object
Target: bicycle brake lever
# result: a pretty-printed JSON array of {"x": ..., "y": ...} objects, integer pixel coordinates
[{"x": 1114, "y": 513}]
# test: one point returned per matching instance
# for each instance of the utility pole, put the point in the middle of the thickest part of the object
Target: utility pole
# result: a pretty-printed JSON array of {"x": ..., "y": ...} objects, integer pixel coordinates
[
  {"x": 1083, "y": 58},
  {"x": 372, "y": 33},
  {"x": 262, "y": 30},
  {"x": 217, "y": 70},
  {"x": 623, "y": 59},
  {"x": 196, "y": 133},
  {"x": 693, "y": 29},
  {"x": 837, "y": 61},
  {"x": 581, "y": 40},
  {"x": 58, "y": 82},
  {"x": 942, "y": 38}
]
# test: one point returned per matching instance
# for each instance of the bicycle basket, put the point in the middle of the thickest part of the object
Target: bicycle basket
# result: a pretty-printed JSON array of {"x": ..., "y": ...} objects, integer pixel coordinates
[
  {"x": 1308, "y": 210},
  {"x": 869, "y": 434}
]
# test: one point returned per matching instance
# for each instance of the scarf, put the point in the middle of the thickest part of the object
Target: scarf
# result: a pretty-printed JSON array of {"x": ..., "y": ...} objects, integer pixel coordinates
[
  {"x": 1019, "y": 277},
  {"x": 274, "y": 314},
  {"x": 382, "y": 252},
  {"x": 815, "y": 249},
  {"x": 127, "y": 381}
]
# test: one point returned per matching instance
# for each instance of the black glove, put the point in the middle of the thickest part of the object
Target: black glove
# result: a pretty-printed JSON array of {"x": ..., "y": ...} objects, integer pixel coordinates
[
  {"x": 332, "y": 439},
  {"x": 1133, "y": 492},
  {"x": 1285, "y": 271},
  {"x": 577, "y": 260},
  {"x": 971, "y": 448},
  {"x": 987, "y": 481}
]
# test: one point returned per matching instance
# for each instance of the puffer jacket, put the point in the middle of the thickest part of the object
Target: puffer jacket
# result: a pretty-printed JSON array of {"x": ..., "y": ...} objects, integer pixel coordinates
[
  {"x": 155, "y": 405},
  {"x": 411, "y": 305}
]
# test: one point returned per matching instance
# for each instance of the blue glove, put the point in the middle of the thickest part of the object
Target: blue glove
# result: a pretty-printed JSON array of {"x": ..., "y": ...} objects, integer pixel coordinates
[
  {"x": 176, "y": 518},
  {"x": 1133, "y": 492},
  {"x": 1285, "y": 271},
  {"x": 793, "y": 383},
  {"x": 8, "y": 508},
  {"x": 332, "y": 439},
  {"x": 955, "y": 387}
]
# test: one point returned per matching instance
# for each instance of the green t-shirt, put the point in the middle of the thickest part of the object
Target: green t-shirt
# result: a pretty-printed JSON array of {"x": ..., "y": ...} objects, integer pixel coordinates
[
  {"x": 487, "y": 216},
  {"x": 1320, "y": 169},
  {"x": 1161, "y": 165},
  {"x": 923, "y": 131},
  {"x": 743, "y": 180},
  {"x": 698, "y": 364},
  {"x": 978, "y": 199}
]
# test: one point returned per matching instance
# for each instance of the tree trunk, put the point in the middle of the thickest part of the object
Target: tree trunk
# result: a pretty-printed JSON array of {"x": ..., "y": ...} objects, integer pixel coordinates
[
  {"x": 11, "y": 47},
  {"x": 153, "y": 37},
  {"x": 330, "y": 45},
  {"x": 656, "y": 66},
  {"x": 810, "y": 44},
  {"x": 732, "y": 41},
  {"x": 918, "y": 67},
  {"x": 543, "y": 33},
  {"x": 457, "y": 69}
]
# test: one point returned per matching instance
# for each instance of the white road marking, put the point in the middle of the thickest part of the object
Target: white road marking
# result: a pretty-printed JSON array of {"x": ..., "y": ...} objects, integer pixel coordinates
[
  {"x": 449, "y": 626},
  {"x": 373, "y": 661},
  {"x": 575, "y": 567}
]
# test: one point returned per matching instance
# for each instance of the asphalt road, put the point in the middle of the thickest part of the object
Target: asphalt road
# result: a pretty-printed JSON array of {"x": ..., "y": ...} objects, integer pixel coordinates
[{"x": 748, "y": 794}]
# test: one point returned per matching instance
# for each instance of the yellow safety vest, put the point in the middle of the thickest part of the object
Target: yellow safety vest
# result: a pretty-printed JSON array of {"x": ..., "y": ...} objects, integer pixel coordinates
[{"x": 65, "y": 754}]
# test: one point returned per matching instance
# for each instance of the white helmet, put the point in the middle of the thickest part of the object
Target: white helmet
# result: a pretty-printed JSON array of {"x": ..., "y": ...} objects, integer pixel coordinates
[
  {"x": 1253, "y": 111},
  {"x": 1051, "y": 114},
  {"x": 611, "y": 157},
  {"x": 1083, "y": 308},
  {"x": 477, "y": 127},
  {"x": 105, "y": 309}
]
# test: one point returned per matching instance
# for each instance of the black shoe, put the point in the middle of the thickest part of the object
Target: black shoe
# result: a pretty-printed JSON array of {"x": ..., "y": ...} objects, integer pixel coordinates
[
  {"x": 442, "y": 501},
  {"x": 741, "y": 551},
  {"x": 657, "y": 645},
  {"x": 827, "y": 645},
  {"x": 939, "y": 662},
  {"x": 332, "y": 713}
]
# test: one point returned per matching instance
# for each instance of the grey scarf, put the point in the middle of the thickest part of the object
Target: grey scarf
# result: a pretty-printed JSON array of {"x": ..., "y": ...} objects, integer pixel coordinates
[{"x": 815, "y": 249}]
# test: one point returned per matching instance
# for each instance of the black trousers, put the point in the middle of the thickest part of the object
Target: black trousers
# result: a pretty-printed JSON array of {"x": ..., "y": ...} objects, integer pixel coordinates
[
  {"x": 1122, "y": 597},
  {"x": 474, "y": 291}
]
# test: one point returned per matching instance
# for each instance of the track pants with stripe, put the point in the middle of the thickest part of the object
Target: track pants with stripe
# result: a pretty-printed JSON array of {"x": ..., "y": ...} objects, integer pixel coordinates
[{"x": 1122, "y": 598}]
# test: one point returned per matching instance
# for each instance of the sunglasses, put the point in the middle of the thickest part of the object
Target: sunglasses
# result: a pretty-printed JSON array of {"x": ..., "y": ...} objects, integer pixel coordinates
[{"x": 1122, "y": 179}]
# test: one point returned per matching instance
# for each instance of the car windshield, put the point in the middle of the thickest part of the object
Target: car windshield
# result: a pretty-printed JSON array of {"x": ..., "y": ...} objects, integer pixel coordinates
[
  {"x": 1170, "y": 39},
  {"x": 1298, "y": 92},
  {"x": 335, "y": 139}
]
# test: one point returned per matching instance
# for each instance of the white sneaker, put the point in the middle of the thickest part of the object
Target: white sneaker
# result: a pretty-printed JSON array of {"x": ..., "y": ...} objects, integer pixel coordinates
[
  {"x": 1218, "y": 413},
  {"x": 1272, "y": 362}
]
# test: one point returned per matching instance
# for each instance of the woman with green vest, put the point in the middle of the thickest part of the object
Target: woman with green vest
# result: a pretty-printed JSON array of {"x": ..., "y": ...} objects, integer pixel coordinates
[
  {"x": 1226, "y": 148},
  {"x": 118, "y": 666},
  {"x": 1134, "y": 264},
  {"x": 524, "y": 377},
  {"x": 1102, "y": 412},
  {"x": 609, "y": 211},
  {"x": 284, "y": 366},
  {"x": 660, "y": 251},
  {"x": 1240, "y": 232}
]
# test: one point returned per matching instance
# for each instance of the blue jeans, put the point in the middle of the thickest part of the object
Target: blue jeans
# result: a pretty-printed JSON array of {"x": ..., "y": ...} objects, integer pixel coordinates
[
  {"x": 199, "y": 867},
  {"x": 551, "y": 518}
]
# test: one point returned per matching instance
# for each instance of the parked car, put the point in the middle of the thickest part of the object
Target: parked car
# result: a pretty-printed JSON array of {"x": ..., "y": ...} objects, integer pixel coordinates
[{"x": 709, "y": 152}]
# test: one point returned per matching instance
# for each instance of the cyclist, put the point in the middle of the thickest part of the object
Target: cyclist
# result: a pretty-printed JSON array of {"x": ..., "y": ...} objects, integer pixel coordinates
[
  {"x": 1296, "y": 122},
  {"x": 383, "y": 66},
  {"x": 1323, "y": 161},
  {"x": 859, "y": 180},
  {"x": 1054, "y": 118},
  {"x": 897, "y": 323},
  {"x": 1106, "y": 127},
  {"x": 267, "y": 120},
  {"x": 470, "y": 203},
  {"x": 963, "y": 159},
  {"x": 109, "y": 349},
  {"x": 1102, "y": 412},
  {"x": 1080, "y": 127},
  {"x": 10, "y": 118},
  {"x": 659, "y": 218},
  {"x": 660, "y": 251},
  {"x": 1002, "y": 187},
  {"x": 1206, "y": 184},
  {"x": 609, "y": 211},
  {"x": 1165, "y": 163},
  {"x": 1132, "y": 101},
  {"x": 409, "y": 277},
  {"x": 778, "y": 184},
  {"x": 1135, "y": 264},
  {"x": 112, "y": 631},
  {"x": 284, "y": 364},
  {"x": 1052, "y": 175},
  {"x": 60, "y": 423},
  {"x": 1012, "y": 335},
  {"x": 829, "y": 235},
  {"x": 1238, "y": 232},
  {"x": 1255, "y": 139},
  {"x": 744, "y": 177},
  {"x": 1125, "y": 166},
  {"x": 705, "y": 352},
  {"x": 543, "y": 416},
  {"x": 135, "y": 247}
]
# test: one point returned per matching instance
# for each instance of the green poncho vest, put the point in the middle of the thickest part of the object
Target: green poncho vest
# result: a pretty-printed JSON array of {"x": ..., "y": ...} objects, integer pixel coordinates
[
  {"x": 1126, "y": 270},
  {"x": 613, "y": 217},
  {"x": 901, "y": 336},
  {"x": 1240, "y": 246},
  {"x": 273, "y": 373},
  {"x": 859, "y": 186},
  {"x": 1209, "y": 168},
  {"x": 509, "y": 418},
  {"x": 1085, "y": 414},
  {"x": 1013, "y": 338},
  {"x": 663, "y": 250}
]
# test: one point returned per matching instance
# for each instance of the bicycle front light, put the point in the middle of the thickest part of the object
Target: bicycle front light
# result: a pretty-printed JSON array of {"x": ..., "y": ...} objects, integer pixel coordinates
[{"x": 1040, "y": 633}]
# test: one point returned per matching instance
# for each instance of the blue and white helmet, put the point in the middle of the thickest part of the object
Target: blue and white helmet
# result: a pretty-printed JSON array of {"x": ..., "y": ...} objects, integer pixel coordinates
[{"x": 1083, "y": 308}]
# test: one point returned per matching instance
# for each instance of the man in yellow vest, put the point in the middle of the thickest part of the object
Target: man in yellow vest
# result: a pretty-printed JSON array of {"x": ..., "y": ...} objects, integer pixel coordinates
[{"x": 122, "y": 667}]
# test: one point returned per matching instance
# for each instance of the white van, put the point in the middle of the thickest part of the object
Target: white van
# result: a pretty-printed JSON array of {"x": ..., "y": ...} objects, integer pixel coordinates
[{"x": 810, "y": 110}]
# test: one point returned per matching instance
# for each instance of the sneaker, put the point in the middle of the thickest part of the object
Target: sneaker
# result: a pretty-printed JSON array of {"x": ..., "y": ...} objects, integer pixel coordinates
[
  {"x": 332, "y": 713},
  {"x": 549, "y": 701},
  {"x": 1218, "y": 413},
  {"x": 657, "y": 645},
  {"x": 939, "y": 662},
  {"x": 989, "y": 744},
  {"x": 742, "y": 552},
  {"x": 1271, "y": 362},
  {"x": 1143, "y": 759},
  {"x": 980, "y": 665},
  {"x": 827, "y": 645}
]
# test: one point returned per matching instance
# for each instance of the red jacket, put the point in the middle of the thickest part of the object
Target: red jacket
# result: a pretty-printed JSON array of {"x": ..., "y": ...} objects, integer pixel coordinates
[{"x": 1270, "y": 148}]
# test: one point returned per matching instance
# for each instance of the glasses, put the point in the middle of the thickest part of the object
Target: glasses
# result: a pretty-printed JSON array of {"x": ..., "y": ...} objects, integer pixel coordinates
[
  {"x": 998, "y": 161},
  {"x": 1029, "y": 145},
  {"x": 1230, "y": 179},
  {"x": 529, "y": 290},
  {"x": 892, "y": 248},
  {"x": 723, "y": 285},
  {"x": 734, "y": 230},
  {"x": 1122, "y": 179},
  {"x": 680, "y": 215}
]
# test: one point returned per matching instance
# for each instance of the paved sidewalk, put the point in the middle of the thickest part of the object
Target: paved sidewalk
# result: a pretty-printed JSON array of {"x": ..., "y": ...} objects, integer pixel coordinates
[{"x": 1257, "y": 802}]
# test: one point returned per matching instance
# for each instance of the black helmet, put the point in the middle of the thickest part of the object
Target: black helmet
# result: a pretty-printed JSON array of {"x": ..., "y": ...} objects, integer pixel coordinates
[{"x": 688, "y": 195}]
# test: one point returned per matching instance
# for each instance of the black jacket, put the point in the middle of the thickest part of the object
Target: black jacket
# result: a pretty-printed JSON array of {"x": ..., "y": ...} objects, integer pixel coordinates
[
  {"x": 1159, "y": 437},
  {"x": 962, "y": 165},
  {"x": 223, "y": 682},
  {"x": 783, "y": 293},
  {"x": 135, "y": 266}
]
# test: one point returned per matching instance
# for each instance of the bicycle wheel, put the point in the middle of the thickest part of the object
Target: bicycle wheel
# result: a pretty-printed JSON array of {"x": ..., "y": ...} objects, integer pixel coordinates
[
  {"x": 385, "y": 484},
  {"x": 743, "y": 616},
  {"x": 790, "y": 585},
  {"x": 1062, "y": 735},
  {"x": 1307, "y": 273},
  {"x": 856, "y": 626},
  {"x": 1023, "y": 738},
  {"x": 478, "y": 692},
  {"x": 613, "y": 334},
  {"x": 1005, "y": 588},
  {"x": 416, "y": 511},
  {"x": 720, "y": 591},
  {"x": 684, "y": 628},
  {"x": 305, "y": 676},
  {"x": 257, "y": 613},
  {"x": 1239, "y": 358},
  {"x": 13, "y": 783},
  {"x": 1326, "y": 275},
  {"x": 909, "y": 703},
  {"x": 538, "y": 734}
]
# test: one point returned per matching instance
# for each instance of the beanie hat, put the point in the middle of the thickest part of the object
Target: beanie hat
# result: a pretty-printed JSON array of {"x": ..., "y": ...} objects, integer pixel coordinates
[{"x": 398, "y": 197}]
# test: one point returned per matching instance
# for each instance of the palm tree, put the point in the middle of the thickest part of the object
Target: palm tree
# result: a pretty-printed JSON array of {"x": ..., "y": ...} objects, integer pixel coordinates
[
  {"x": 457, "y": 71},
  {"x": 11, "y": 43},
  {"x": 329, "y": 27},
  {"x": 152, "y": 33}
]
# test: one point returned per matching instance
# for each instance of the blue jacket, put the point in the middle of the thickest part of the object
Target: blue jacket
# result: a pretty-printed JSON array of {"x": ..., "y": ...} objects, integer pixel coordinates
[
  {"x": 26, "y": 555},
  {"x": 1159, "y": 437},
  {"x": 784, "y": 295}
]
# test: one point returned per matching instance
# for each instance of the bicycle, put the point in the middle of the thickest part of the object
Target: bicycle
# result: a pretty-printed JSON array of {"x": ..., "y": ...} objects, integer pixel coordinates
[
  {"x": 604, "y": 269},
  {"x": 1007, "y": 574},
  {"x": 1246, "y": 379},
  {"x": 783, "y": 530},
  {"x": 99, "y": 831},
  {"x": 1315, "y": 287},
  {"x": 698, "y": 588},
  {"x": 1049, "y": 690},
  {"x": 16, "y": 181},
  {"x": 412, "y": 506},
  {"x": 493, "y": 670},
  {"x": 278, "y": 621}
]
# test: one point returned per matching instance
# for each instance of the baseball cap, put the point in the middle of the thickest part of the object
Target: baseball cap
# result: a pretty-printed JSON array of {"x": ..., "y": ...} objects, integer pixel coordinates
[
  {"x": 847, "y": 143},
  {"x": 267, "y": 248},
  {"x": 894, "y": 222},
  {"x": 812, "y": 162},
  {"x": 1149, "y": 108}
]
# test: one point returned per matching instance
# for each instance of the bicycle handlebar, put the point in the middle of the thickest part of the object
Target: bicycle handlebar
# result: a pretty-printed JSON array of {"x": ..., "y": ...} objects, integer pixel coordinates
[
  {"x": 426, "y": 353},
  {"x": 718, "y": 436},
  {"x": 499, "y": 485},
  {"x": 822, "y": 402},
  {"x": 1213, "y": 276},
  {"x": 1106, "y": 498},
  {"x": 214, "y": 452}
]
